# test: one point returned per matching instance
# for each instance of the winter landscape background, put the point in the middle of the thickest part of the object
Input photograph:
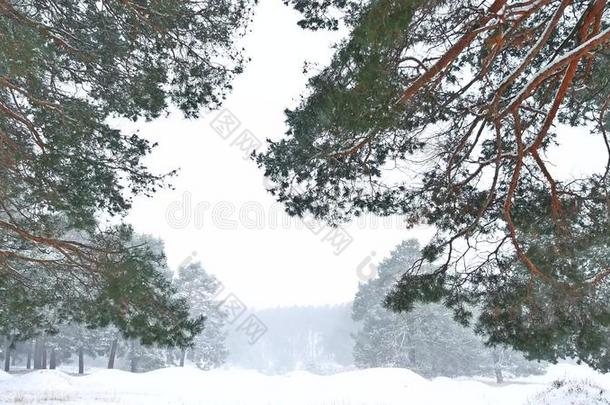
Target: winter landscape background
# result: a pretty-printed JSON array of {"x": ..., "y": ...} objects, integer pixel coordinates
[{"x": 217, "y": 295}]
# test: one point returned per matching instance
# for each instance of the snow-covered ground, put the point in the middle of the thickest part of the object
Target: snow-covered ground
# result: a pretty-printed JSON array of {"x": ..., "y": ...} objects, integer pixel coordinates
[{"x": 373, "y": 386}]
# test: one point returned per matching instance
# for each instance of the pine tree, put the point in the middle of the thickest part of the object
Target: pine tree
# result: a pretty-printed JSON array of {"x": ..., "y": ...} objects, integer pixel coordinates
[
  {"x": 427, "y": 339},
  {"x": 138, "y": 303},
  {"x": 201, "y": 290},
  {"x": 74, "y": 341},
  {"x": 141, "y": 357},
  {"x": 444, "y": 113},
  {"x": 67, "y": 68},
  {"x": 21, "y": 316}
]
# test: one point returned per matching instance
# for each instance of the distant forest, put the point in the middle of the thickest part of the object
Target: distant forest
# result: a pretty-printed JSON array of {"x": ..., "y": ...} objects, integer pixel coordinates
[
  {"x": 316, "y": 339},
  {"x": 324, "y": 340}
]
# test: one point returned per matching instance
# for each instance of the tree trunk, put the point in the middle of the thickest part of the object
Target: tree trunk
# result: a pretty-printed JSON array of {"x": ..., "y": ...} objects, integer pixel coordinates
[
  {"x": 133, "y": 366},
  {"x": 29, "y": 358},
  {"x": 44, "y": 356},
  {"x": 52, "y": 360},
  {"x": 37, "y": 355},
  {"x": 498, "y": 367},
  {"x": 182, "y": 357},
  {"x": 113, "y": 348},
  {"x": 81, "y": 361},
  {"x": 7, "y": 361},
  {"x": 7, "y": 355},
  {"x": 499, "y": 376}
]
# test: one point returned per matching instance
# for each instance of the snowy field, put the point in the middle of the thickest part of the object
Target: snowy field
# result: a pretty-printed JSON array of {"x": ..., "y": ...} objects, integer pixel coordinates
[{"x": 373, "y": 386}]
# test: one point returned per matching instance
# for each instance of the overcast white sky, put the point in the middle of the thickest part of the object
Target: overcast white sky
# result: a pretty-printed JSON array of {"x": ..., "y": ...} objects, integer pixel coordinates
[{"x": 262, "y": 261}]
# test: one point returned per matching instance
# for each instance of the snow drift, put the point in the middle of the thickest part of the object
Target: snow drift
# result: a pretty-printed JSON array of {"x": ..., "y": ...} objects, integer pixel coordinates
[
  {"x": 240, "y": 387},
  {"x": 572, "y": 392}
]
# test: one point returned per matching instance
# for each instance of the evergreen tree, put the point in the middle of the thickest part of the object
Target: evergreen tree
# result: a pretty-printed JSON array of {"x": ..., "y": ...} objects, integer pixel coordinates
[
  {"x": 21, "y": 316},
  {"x": 140, "y": 300},
  {"x": 67, "y": 68},
  {"x": 200, "y": 290},
  {"x": 463, "y": 100},
  {"x": 77, "y": 316},
  {"x": 426, "y": 340},
  {"x": 141, "y": 357},
  {"x": 74, "y": 341}
]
